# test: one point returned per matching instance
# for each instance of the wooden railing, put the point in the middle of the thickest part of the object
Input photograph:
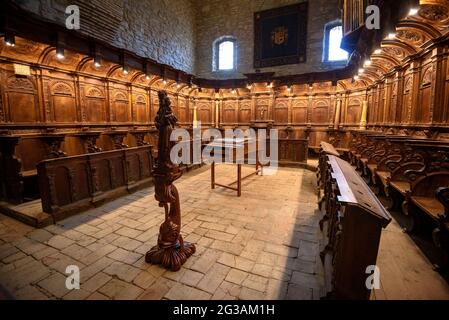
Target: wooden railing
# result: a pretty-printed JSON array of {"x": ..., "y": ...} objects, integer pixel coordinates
[{"x": 70, "y": 184}]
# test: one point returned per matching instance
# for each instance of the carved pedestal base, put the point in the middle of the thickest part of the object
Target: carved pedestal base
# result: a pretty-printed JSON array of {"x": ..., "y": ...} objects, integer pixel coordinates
[{"x": 171, "y": 257}]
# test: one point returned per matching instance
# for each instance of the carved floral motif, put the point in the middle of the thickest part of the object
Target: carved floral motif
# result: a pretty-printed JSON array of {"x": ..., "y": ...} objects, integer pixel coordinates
[
  {"x": 409, "y": 36},
  {"x": 433, "y": 12},
  {"x": 62, "y": 88},
  {"x": 19, "y": 83},
  {"x": 94, "y": 93}
]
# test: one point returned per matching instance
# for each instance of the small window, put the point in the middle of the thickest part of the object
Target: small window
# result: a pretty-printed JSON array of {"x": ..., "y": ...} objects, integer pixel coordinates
[
  {"x": 335, "y": 52},
  {"x": 332, "y": 41},
  {"x": 224, "y": 58},
  {"x": 226, "y": 55}
]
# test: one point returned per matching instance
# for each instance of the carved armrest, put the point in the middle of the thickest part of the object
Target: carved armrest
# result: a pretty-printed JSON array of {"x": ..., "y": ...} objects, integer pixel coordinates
[
  {"x": 393, "y": 162},
  {"x": 413, "y": 174},
  {"x": 378, "y": 155},
  {"x": 442, "y": 195},
  {"x": 409, "y": 170}
]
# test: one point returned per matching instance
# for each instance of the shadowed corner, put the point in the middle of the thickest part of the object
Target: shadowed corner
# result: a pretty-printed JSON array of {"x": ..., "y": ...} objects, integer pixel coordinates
[{"x": 5, "y": 294}]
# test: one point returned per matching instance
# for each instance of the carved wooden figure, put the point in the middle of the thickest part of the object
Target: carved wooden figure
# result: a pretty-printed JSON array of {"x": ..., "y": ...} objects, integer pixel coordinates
[{"x": 171, "y": 251}]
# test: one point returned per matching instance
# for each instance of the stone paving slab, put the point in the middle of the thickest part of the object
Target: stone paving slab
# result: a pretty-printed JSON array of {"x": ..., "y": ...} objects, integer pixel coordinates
[{"x": 263, "y": 245}]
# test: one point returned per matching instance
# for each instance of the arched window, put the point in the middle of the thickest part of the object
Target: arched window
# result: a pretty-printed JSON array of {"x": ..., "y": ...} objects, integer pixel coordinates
[
  {"x": 333, "y": 34},
  {"x": 224, "y": 58}
]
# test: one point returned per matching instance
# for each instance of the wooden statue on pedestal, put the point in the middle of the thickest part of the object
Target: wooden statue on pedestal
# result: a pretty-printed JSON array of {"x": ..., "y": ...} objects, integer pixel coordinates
[{"x": 171, "y": 251}]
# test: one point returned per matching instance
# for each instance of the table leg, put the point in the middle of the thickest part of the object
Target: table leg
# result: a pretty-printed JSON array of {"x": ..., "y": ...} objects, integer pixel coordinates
[
  {"x": 212, "y": 175},
  {"x": 239, "y": 180},
  {"x": 257, "y": 154}
]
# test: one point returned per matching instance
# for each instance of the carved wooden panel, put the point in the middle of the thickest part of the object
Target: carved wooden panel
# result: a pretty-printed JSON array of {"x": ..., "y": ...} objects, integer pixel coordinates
[
  {"x": 375, "y": 102},
  {"x": 261, "y": 109},
  {"x": 204, "y": 111},
  {"x": 154, "y": 105},
  {"x": 293, "y": 151},
  {"x": 80, "y": 181},
  {"x": 61, "y": 183},
  {"x": 381, "y": 105},
  {"x": 425, "y": 87},
  {"x": 320, "y": 111},
  {"x": 244, "y": 112},
  {"x": 354, "y": 111},
  {"x": 133, "y": 164},
  {"x": 393, "y": 100},
  {"x": 299, "y": 111},
  {"x": 63, "y": 102},
  {"x": 95, "y": 104},
  {"x": 119, "y": 108},
  {"x": 21, "y": 99},
  {"x": 280, "y": 111},
  {"x": 229, "y": 111},
  {"x": 315, "y": 138},
  {"x": 407, "y": 98},
  {"x": 141, "y": 108},
  {"x": 30, "y": 151},
  {"x": 70, "y": 184},
  {"x": 182, "y": 109}
]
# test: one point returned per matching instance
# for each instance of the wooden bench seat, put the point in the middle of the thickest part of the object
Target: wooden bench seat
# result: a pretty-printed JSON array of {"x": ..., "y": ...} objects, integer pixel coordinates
[
  {"x": 429, "y": 205},
  {"x": 402, "y": 186},
  {"x": 372, "y": 168},
  {"x": 430, "y": 196},
  {"x": 383, "y": 176},
  {"x": 328, "y": 148},
  {"x": 29, "y": 173}
]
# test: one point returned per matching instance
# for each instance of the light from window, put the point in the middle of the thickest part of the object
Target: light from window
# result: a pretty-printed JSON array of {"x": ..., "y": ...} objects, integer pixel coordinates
[
  {"x": 226, "y": 55},
  {"x": 335, "y": 52}
]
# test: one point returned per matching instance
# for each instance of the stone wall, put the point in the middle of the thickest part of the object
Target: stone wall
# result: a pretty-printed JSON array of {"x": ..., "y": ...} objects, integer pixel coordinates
[
  {"x": 217, "y": 18},
  {"x": 181, "y": 33},
  {"x": 163, "y": 30}
]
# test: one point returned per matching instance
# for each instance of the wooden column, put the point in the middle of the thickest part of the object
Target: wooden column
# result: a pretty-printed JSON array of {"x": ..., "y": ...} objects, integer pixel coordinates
[
  {"x": 386, "y": 97},
  {"x": 217, "y": 111},
  {"x": 195, "y": 119},
  {"x": 437, "y": 108},
  {"x": 290, "y": 109},
  {"x": 337, "y": 113},
  {"x": 364, "y": 113}
]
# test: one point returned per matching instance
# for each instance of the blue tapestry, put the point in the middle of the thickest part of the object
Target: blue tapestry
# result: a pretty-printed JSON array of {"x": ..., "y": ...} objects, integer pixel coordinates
[{"x": 280, "y": 36}]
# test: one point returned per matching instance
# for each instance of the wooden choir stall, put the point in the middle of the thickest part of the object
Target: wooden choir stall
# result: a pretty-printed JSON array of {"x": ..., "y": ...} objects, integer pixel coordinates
[{"x": 352, "y": 223}]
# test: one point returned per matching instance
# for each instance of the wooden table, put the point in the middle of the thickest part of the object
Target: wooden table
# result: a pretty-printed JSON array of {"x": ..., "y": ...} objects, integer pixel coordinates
[{"x": 222, "y": 147}]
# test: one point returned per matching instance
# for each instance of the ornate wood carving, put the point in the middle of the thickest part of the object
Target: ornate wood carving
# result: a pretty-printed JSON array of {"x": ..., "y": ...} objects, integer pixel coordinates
[
  {"x": 443, "y": 197},
  {"x": 140, "y": 137},
  {"x": 53, "y": 145},
  {"x": 117, "y": 139},
  {"x": 171, "y": 251},
  {"x": 71, "y": 184},
  {"x": 90, "y": 141}
]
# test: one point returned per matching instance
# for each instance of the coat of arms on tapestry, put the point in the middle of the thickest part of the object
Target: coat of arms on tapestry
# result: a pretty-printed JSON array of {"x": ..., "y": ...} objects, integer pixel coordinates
[{"x": 280, "y": 35}]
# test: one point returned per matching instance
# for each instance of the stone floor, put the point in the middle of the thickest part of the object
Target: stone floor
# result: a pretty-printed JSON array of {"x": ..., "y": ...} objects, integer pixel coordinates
[
  {"x": 405, "y": 272},
  {"x": 263, "y": 245}
]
